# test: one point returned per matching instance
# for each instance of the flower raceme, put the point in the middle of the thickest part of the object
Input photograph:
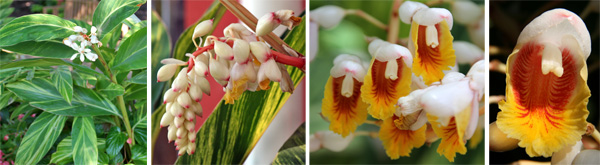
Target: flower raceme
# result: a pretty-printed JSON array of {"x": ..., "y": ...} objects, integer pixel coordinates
[
  {"x": 84, "y": 41},
  {"x": 238, "y": 62},
  {"x": 546, "y": 93}
]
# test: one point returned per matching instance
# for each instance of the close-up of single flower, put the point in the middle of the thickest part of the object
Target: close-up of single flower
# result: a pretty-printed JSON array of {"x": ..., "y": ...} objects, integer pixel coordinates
[
  {"x": 397, "y": 90},
  {"x": 547, "y": 108}
]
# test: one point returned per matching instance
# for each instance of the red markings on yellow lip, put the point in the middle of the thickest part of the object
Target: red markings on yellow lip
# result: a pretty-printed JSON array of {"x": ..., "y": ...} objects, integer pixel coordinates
[
  {"x": 429, "y": 56},
  {"x": 383, "y": 88},
  {"x": 342, "y": 103},
  {"x": 383, "y": 93},
  {"x": 542, "y": 95}
]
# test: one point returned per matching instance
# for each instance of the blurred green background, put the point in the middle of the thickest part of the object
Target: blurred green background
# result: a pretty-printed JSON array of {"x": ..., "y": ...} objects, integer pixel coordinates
[{"x": 348, "y": 37}]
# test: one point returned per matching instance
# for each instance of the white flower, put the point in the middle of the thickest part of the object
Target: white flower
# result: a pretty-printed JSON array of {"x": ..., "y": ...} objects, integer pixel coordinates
[
  {"x": 82, "y": 51},
  {"x": 78, "y": 29},
  {"x": 93, "y": 37}
]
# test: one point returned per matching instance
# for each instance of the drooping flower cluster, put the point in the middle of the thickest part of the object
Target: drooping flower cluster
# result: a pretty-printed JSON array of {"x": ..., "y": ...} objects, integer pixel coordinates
[
  {"x": 407, "y": 87},
  {"x": 80, "y": 41},
  {"x": 238, "y": 62}
]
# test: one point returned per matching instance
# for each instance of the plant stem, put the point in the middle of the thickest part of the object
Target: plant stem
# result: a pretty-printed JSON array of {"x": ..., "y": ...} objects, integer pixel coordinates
[
  {"x": 367, "y": 17},
  {"x": 394, "y": 23},
  {"x": 120, "y": 100},
  {"x": 366, "y": 133}
]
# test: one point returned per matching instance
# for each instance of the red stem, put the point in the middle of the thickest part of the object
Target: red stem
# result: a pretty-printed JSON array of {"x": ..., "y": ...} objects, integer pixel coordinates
[{"x": 298, "y": 62}]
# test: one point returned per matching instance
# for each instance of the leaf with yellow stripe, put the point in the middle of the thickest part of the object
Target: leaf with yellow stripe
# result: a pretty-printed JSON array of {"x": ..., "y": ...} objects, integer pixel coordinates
[
  {"x": 39, "y": 138},
  {"x": 85, "y": 147}
]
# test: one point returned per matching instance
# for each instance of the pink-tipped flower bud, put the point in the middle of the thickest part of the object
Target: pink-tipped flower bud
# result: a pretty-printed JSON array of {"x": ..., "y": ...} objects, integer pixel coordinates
[
  {"x": 184, "y": 100},
  {"x": 261, "y": 51},
  {"x": 408, "y": 9},
  {"x": 192, "y": 136},
  {"x": 241, "y": 51},
  {"x": 197, "y": 109},
  {"x": 195, "y": 93},
  {"x": 5, "y": 137},
  {"x": 21, "y": 116},
  {"x": 190, "y": 125},
  {"x": 181, "y": 81},
  {"x": 328, "y": 16},
  {"x": 178, "y": 122},
  {"x": 128, "y": 140},
  {"x": 176, "y": 110},
  {"x": 182, "y": 150},
  {"x": 170, "y": 96},
  {"x": 191, "y": 148},
  {"x": 181, "y": 133},
  {"x": 166, "y": 72},
  {"x": 166, "y": 119},
  {"x": 203, "y": 84},
  {"x": 172, "y": 133},
  {"x": 219, "y": 69},
  {"x": 223, "y": 50},
  {"x": 266, "y": 24},
  {"x": 202, "y": 29},
  {"x": 200, "y": 68},
  {"x": 189, "y": 115}
]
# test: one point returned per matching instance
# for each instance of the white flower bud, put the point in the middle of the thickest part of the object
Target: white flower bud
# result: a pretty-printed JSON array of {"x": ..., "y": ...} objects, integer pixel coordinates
[
  {"x": 172, "y": 133},
  {"x": 202, "y": 29},
  {"x": 182, "y": 150},
  {"x": 170, "y": 96},
  {"x": 200, "y": 68},
  {"x": 315, "y": 143},
  {"x": 166, "y": 72},
  {"x": 466, "y": 52},
  {"x": 191, "y": 147},
  {"x": 223, "y": 50},
  {"x": 181, "y": 81},
  {"x": 203, "y": 84},
  {"x": 184, "y": 100},
  {"x": 166, "y": 120},
  {"x": 219, "y": 69},
  {"x": 192, "y": 137},
  {"x": 284, "y": 17},
  {"x": 466, "y": 12},
  {"x": 241, "y": 51},
  {"x": 333, "y": 141},
  {"x": 189, "y": 125},
  {"x": 266, "y": 24},
  {"x": 432, "y": 16},
  {"x": 195, "y": 93},
  {"x": 189, "y": 115},
  {"x": 181, "y": 133},
  {"x": 261, "y": 51},
  {"x": 172, "y": 61},
  {"x": 269, "y": 70},
  {"x": 176, "y": 110},
  {"x": 197, "y": 109},
  {"x": 408, "y": 9},
  {"x": 328, "y": 16},
  {"x": 239, "y": 71},
  {"x": 178, "y": 121}
]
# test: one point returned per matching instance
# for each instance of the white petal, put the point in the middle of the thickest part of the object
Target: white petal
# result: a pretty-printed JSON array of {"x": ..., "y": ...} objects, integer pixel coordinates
[
  {"x": 408, "y": 9},
  {"x": 241, "y": 51},
  {"x": 74, "y": 56},
  {"x": 218, "y": 69},
  {"x": 93, "y": 30},
  {"x": 272, "y": 70},
  {"x": 357, "y": 70},
  {"x": 260, "y": 50},
  {"x": 202, "y": 29},
  {"x": 452, "y": 77},
  {"x": 346, "y": 57},
  {"x": 333, "y": 141},
  {"x": 432, "y": 16},
  {"x": 375, "y": 45},
  {"x": 315, "y": 143},
  {"x": 266, "y": 24},
  {"x": 223, "y": 50},
  {"x": 328, "y": 16},
  {"x": 77, "y": 29},
  {"x": 83, "y": 30},
  {"x": 67, "y": 42},
  {"x": 172, "y": 61},
  {"x": 568, "y": 154},
  {"x": 94, "y": 39},
  {"x": 73, "y": 37},
  {"x": 447, "y": 100},
  {"x": 82, "y": 57}
]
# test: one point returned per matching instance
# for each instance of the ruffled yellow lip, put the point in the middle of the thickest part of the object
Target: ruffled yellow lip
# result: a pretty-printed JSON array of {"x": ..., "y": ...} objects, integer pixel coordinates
[
  {"x": 452, "y": 136},
  {"x": 344, "y": 113},
  {"x": 544, "y": 112},
  {"x": 429, "y": 62},
  {"x": 399, "y": 142},
  {"x": 383, "y": 93}
]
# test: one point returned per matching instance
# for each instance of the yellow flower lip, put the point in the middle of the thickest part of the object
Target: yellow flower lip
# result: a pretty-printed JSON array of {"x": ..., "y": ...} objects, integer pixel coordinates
[
  {"x": 432, "y": 49},
  {"x": 382, "y": 91},
  {"x": 344, "y": 113},
  {"x": 398, "y": 142}
]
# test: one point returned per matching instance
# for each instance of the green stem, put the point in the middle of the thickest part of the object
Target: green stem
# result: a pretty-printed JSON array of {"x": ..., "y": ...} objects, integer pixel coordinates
[{"x": 120, "y": 100}]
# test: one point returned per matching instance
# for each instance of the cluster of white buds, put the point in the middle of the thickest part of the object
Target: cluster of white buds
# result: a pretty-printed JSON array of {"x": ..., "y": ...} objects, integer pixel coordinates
[
  {"x": 267, "y": 23},
  {"x": 84, "y": 41},
  {"x": 237, "y": 61}
]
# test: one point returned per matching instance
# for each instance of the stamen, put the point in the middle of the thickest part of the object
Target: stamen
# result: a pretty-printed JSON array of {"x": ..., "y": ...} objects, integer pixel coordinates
[
  {"x": 391, "y": 70},
  {"x": 552, "y": 60},
  {"x": 432, "y": 37},
  {"x": 348, "y": 85}
]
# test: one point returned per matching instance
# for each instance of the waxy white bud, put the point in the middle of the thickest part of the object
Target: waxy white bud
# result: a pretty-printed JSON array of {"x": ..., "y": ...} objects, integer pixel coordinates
[
  {"x": 219, "y": 69},
  {"x": 466, "y": 52},
  {"x": 181, "y": 133},
  {"x": 172, "y": 133},
  {"x": 266, "y": 24},
  {"x": 176, "y": 110},
  {"x": 202, "y": 29},
  {"x": 166, "y": 72},
  {"x": 195, "y": 93},
  {"x": 170, "y": 96},
  {"x": 184, "y": 100},
  {"x": 241, "y": 51},
  {"x": 192, "y": 137},
  {"x": 189, "y": 125},
  {"x": 181, "y": 81},
  {"x": 223, "y": 50},
  {"x": 328, "y": 16},
  {"x": 166, "y": 120},
  {"x": 178, "y": 121},
  {"x": 269, "y": 70},
  {"x": 261, "y": 51},
  {"x": 333, "y": 141}
]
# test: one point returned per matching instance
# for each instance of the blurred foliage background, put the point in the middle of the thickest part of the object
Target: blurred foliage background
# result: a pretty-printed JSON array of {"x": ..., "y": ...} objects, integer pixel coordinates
[
  {"x": 507, "y": 19},
  {"x": 348, "y": 37}
]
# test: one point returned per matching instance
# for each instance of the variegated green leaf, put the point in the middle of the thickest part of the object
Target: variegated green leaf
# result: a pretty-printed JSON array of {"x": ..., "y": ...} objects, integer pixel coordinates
[
  {"x": 64, "y": 151},
  {"x": 35, "y": 27},
  {"x": 85, "y": 149},
  {"x": 294, "y": 155},
  {"x": 42, "y": 94},
  {"x": 64, "y": 82},
  {"x": 40, "y": 137},
  {"x": 132, "y": 53},
  {"x": 110, "y": 13}
]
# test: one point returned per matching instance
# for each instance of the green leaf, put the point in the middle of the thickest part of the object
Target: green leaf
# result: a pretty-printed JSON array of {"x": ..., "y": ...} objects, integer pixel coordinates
[
  {"x": 111, "y": 38},
  {"x": 63, "y": 82},
  {"x": 43, "y": 95},
  {"x": 64, "y": 151},
  {"x": 115, "y": 141},
  {"x": 5, "y": 3},
  {"x": 35, "y": 27},
  {"x": 85, "y": 149},
  {"x": 5, "y": 99},
  {"x": 294, "y": 155},
  {"x": 139, "y": 155},
  {"x": 40, "y": 137},
  {"x": 139, "y": 78},
  {"x": 103, "y": 158},
  {"x": 232, "y": 131},
  {"x": 111, "y": 13},
  {"x": 111, "y": 91},
  {"x": 50, "y": 48},
  {"x": 161, "y": 49},
  {"x": 44, "y": 62},
  {"x": 132, "y": 53},
  {"x": 6, "y": 12},
  {"x": 135, "y": 92}
]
